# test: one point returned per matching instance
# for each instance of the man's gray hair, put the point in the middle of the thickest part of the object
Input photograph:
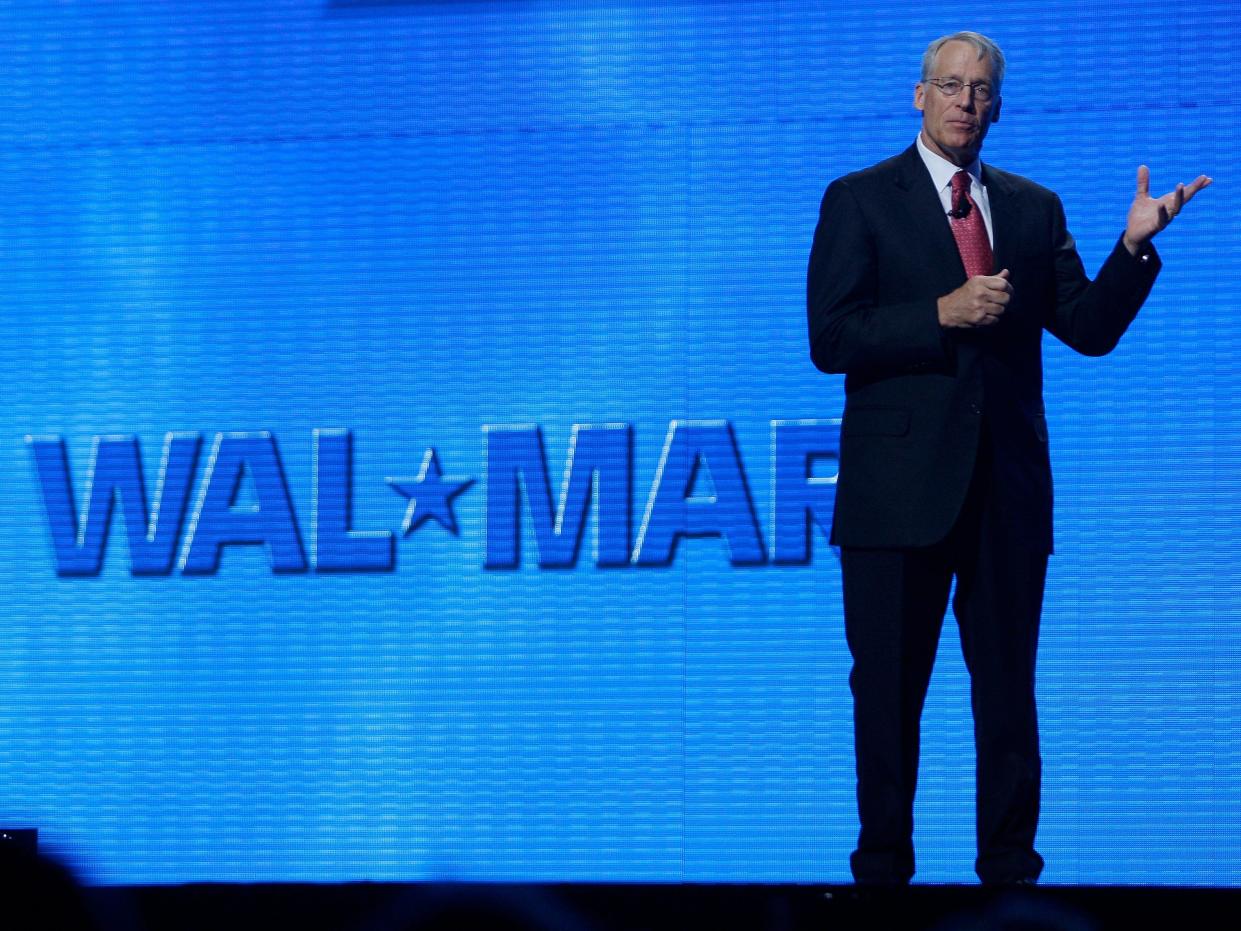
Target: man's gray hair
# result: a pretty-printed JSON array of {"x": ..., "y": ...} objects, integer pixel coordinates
[{"x": 986, "y": 48}]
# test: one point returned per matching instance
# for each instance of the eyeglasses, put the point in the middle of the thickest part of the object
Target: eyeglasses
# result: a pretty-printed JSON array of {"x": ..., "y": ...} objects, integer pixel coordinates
[{"x": 950, "y": 87}]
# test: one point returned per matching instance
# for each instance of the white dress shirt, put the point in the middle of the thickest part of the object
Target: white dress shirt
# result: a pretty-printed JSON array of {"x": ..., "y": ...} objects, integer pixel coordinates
[{"x": 942, "y": 171}]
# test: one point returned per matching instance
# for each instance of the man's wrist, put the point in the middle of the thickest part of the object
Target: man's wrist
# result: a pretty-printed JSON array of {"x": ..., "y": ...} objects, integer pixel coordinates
[
  {"x": 1146, "y": 255},
  {"x": 1134, "y": 247}
]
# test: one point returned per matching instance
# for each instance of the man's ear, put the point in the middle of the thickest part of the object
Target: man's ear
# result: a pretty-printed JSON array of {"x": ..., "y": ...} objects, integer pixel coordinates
[
  {"x": 995, "y": 109},
  {"x": 919, "y": 96}
]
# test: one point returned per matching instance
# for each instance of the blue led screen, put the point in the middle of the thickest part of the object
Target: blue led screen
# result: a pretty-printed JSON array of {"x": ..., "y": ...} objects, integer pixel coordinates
[{"x": 484, "y": 323}]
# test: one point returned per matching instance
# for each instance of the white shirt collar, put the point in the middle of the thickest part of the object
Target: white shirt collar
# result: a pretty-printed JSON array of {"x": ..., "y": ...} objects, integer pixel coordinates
[{"x": 942, "y": 170}]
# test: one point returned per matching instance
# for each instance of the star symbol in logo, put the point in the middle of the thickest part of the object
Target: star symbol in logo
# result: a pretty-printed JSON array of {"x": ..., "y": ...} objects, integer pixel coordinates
[{"x": 430, "y": 495}]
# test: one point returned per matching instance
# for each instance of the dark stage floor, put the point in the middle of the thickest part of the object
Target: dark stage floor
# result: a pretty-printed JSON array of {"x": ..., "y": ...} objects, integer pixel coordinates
[{"x": 612, "y": 907}]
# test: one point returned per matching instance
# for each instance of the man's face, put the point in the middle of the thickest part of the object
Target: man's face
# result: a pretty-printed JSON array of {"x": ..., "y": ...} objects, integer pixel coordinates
[{"x": 955, "y": 127}]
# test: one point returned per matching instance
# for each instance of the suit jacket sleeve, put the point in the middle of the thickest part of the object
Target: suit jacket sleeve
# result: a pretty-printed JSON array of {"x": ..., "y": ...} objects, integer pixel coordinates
[
  {"x": 1092, "y": 316},
  {"x": 849, "y": 332}
]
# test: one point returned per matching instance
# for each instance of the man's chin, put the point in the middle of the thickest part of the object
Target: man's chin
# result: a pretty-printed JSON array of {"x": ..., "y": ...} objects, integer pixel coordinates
[{"x": 966, "y": 152}]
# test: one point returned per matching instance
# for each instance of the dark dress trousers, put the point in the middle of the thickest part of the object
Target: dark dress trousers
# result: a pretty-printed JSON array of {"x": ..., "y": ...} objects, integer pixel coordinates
[{"x": 944, "y": 473}]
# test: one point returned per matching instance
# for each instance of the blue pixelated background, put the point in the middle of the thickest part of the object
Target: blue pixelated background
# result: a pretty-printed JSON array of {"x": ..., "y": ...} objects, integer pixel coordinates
[{"x": 412, "y": 220}]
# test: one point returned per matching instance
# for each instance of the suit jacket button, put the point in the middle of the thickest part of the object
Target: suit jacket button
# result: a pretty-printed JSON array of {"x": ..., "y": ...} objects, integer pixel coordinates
[{"x": 975, "y": 407}]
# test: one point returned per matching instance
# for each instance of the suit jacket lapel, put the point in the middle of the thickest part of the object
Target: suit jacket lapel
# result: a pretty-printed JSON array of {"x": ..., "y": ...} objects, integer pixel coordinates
[
  {"x": 1005, "y": 219},
  {"x": 928, "y": 222}
]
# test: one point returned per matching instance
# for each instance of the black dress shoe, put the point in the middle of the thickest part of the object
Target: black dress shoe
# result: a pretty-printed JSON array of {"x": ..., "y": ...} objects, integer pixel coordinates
[{"x": 1011, "y": 883}]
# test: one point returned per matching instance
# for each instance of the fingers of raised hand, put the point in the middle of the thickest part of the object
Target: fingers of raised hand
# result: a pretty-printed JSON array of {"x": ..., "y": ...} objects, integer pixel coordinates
[
  {"x": 1195, "y": 186},
  {"x": 1170, "y": 205},
  {"x": 1144, "y": 180}
]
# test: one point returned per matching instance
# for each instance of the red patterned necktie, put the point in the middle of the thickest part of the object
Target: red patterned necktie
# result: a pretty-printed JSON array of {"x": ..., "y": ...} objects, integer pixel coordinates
[{"x": 969, "y": 229}]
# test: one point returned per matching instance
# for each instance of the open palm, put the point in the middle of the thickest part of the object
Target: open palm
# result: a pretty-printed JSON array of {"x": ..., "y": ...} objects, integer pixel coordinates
[{"x": 1148, "y": 215}]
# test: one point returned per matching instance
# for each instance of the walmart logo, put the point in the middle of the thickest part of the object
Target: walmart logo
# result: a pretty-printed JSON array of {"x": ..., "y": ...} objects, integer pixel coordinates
[{"x": 701, "y": 489}]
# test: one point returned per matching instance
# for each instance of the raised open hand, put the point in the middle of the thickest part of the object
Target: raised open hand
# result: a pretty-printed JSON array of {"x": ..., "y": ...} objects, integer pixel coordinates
[{"x": 1148, "y": 215}]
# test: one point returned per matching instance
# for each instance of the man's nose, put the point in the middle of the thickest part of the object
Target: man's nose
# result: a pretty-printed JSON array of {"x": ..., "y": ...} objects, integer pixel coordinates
[{"x": 965, "y": 99}]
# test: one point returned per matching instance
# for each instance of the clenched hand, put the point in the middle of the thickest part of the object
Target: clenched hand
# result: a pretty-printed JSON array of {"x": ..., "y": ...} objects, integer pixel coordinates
[{"x": 978, "y": 303}]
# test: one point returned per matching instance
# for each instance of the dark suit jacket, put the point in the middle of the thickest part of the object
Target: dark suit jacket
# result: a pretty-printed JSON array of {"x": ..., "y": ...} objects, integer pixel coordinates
[{"x": 916, "y": 394}]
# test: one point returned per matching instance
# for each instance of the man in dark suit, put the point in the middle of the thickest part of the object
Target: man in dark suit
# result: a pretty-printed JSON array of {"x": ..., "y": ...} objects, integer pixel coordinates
[{"x": 931, "y": 280}]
